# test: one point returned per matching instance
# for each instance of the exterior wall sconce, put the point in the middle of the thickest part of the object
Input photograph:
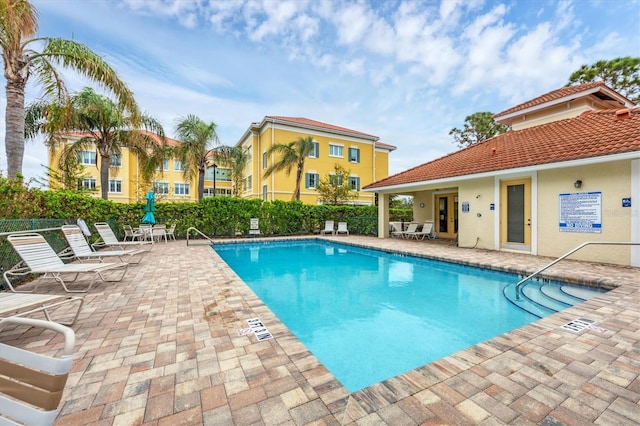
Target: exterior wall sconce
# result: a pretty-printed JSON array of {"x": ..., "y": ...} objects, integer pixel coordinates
[{"x": 577, "y": 183}]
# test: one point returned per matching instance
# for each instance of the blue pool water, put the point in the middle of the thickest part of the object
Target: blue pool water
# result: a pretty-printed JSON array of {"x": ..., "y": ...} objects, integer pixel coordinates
[{"x": 369, "y": 315}]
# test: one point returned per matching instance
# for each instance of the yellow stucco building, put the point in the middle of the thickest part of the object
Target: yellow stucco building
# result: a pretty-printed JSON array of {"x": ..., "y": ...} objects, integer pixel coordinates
[
  {"x": 126, "y": 184},
  {"x": 362, "y": 154}
]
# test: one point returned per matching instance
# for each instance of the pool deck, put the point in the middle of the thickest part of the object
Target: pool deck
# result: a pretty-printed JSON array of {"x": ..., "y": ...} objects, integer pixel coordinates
[{"x": 162, "y": 347}]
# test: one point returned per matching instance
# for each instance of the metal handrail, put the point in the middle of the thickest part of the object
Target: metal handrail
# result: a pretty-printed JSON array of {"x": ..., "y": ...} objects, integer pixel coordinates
[
  {"x": 193, "y": 228},
  {"x": 611, "y": 243}
]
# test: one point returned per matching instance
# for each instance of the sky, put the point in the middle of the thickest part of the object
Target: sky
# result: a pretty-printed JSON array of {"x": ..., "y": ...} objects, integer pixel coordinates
[{"x": 407, "y": 71}]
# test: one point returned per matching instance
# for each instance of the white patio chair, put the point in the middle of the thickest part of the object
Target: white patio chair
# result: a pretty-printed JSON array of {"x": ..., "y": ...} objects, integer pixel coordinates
[
  {"x": 342, "y": 228},
  {"x": 39, "y": 258},
  {"x": 33, "y": 383},
  {"x": 411, "y": 229},
  {"x": 328, "y": 228},
  {"x": 158, "y": 232},
  {"x": 171, "y": 231},
  {"x": 426, "y": 231},
  {"x": 82, "y": 250}
]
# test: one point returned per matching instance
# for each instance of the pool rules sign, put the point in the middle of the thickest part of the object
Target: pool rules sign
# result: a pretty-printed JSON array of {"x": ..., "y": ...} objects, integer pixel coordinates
[{"x": 581, "y": 212}]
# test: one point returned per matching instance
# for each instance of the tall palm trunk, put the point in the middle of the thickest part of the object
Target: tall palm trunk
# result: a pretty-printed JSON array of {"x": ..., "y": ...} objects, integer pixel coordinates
[
  {"x": 200, "y": 183},
  {"x": 105, "y": 162},
  {"x": 14, "y": 125},
  {"x": 296, "y": 192}
]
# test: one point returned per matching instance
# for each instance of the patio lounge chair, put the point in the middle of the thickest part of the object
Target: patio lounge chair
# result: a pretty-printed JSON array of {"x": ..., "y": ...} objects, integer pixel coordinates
[
  {"x": 19, "y": 304},
  {"x": 82, "y": 250},
  {"x": 32, "y": 384},
  {"x": 395, "y": 229},
  {"x": 39, "y": 258},
  {"x": 108, "y": 238},
  {"x": 328, "y": 228},
  {"x": 342, "y": 228},
  {"x": 411, "y": 229},
  {"x": 426, "y": 231}
]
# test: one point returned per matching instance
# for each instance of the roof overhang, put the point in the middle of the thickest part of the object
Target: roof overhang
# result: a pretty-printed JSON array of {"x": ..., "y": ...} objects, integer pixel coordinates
[
  {"x": 611, "y": 93},
  {"x": 451, "y": 181}
]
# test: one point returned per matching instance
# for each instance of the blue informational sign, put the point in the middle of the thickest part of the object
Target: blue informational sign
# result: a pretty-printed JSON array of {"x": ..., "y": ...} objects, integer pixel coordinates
[
  {"x": 465, "y": 207},
  {"x": 626, "y": 202},
  {"x": 492, "y": 206},
  {"x": 581, "y": 212}
]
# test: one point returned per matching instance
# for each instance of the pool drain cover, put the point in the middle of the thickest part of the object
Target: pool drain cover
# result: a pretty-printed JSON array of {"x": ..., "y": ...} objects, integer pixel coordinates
[{"x": 578, "y": 324}]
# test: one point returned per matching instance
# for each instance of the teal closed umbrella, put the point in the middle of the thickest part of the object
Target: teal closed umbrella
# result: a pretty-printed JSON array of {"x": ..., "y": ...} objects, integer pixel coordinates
[{"x": 149, "y": 209}]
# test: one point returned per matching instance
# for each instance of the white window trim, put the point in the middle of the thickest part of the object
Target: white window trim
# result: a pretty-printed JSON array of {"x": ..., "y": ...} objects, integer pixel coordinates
[
  {"x": 183, "y": 185},
  {"x": 115, "y": 180},
  {"x": 338, "y": 145}
]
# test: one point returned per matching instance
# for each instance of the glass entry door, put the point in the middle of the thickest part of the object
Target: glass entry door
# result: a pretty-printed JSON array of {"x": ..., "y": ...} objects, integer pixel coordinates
[
  {"x": 446, "y": 225},
  {"x": 515, "y": 214}
]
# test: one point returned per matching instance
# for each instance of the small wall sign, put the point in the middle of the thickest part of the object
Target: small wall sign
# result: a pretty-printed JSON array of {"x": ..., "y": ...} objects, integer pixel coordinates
[
  {"x": 492, "y": 206},
  {"x": 465, "y": 207},
  {"x": 626, "y": 202}
]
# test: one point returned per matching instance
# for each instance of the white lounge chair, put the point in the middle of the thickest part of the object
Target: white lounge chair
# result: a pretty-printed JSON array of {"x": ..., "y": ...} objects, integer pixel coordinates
[
  {"x": 33, "y": 383},
  {"x": 395, "y": 229},
  {"x": 342, "y": 228},
  {"x": 328, "y": 228},
  {"x": 108, "y": 238},
  {"x": 411, "y": 229},
  {"x": 426, "y": 231},
  {"x": 39, "y": 258},
  {"x": 20, "y": 304},
  {"x": 82, "y": 250}
]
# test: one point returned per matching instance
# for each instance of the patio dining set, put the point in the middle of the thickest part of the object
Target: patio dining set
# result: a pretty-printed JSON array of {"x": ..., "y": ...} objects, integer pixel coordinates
[{"x": 148, "y": 232}]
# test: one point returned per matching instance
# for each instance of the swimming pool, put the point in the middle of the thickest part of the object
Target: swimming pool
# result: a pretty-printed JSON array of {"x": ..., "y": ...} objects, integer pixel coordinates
[{"x": 369, "y": 315}]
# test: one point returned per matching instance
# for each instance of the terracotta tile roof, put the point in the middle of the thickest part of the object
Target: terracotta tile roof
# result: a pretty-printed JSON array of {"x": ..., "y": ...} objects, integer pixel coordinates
[
  {"x": 154, "y": 136},
  {"x": 552, "y": 96},
  {"x": 592, "y": 134}
]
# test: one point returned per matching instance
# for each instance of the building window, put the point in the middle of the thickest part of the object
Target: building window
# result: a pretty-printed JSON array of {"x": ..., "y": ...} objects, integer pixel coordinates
[
  {"x": 87, "y": 183},
  {"x": 116, "y": 160},
  {"x": 264, "y": 160},
  {"x": 247, "y": 183},
  {"x": 161, "y": 188},
  {"x": 87, "y": 157},
  {"x": 315, "y": 152},
  {"x": 311, "y": 180},
  {"x": 249, "y": 152},
  {"x": 335, "y": 150},
  {"x": 115, "y": 185},
  {"x": 354, "y": 183},
  {"x": 335, "y": 180},
  {"x": 208, "y": 192},
  {"x": 181, "y": 189},
  {"x": 354, "y": 155},
  {"x": 164, "y": 166},
  {"x": 177, "y": 165},
  {"x": 265, "y": 192}
]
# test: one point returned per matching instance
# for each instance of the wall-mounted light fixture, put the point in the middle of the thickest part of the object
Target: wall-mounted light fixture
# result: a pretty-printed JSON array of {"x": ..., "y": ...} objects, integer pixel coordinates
[{"x": 577, "y": 183}]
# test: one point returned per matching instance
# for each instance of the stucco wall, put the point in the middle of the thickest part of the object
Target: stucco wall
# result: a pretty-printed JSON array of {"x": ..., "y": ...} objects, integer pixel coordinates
[
  {"x": 613, "y": 180},
  {"x": 478, "y": 224}
]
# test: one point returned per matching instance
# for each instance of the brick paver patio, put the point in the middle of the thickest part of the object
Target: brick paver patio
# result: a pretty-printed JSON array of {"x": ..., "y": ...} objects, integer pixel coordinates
[{"x": 162, "y": 348}]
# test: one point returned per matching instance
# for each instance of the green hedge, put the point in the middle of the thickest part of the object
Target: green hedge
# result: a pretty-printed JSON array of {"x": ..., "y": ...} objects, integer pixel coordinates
[{"x": 215, "y": 216}]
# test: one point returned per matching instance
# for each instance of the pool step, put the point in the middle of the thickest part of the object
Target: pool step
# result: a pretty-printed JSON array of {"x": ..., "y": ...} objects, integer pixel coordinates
[{"x": 542, "y": 298}]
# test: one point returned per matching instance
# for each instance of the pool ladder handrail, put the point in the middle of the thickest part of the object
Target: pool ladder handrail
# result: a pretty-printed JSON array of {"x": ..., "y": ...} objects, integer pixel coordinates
[
  {"x": 569, "y": 253},
  {"x": 193, "y": 228}
]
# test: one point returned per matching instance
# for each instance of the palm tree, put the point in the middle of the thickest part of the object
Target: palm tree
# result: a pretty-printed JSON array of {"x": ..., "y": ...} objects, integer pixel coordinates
[
  {"x": 18, "y": 26},
  {"x": 107, "y": 126},
  {"x": 196, "y": 136},
  {"x": 237, "y": 160},
  {"x": 293, "y": 153}
]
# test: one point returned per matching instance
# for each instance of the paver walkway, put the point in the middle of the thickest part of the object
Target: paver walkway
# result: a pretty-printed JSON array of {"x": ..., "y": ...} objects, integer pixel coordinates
[{"x": 162, "y": 348}]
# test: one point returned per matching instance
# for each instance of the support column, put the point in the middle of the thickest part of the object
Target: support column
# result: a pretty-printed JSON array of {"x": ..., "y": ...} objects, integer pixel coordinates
[{"x": 383, "y": 215}]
